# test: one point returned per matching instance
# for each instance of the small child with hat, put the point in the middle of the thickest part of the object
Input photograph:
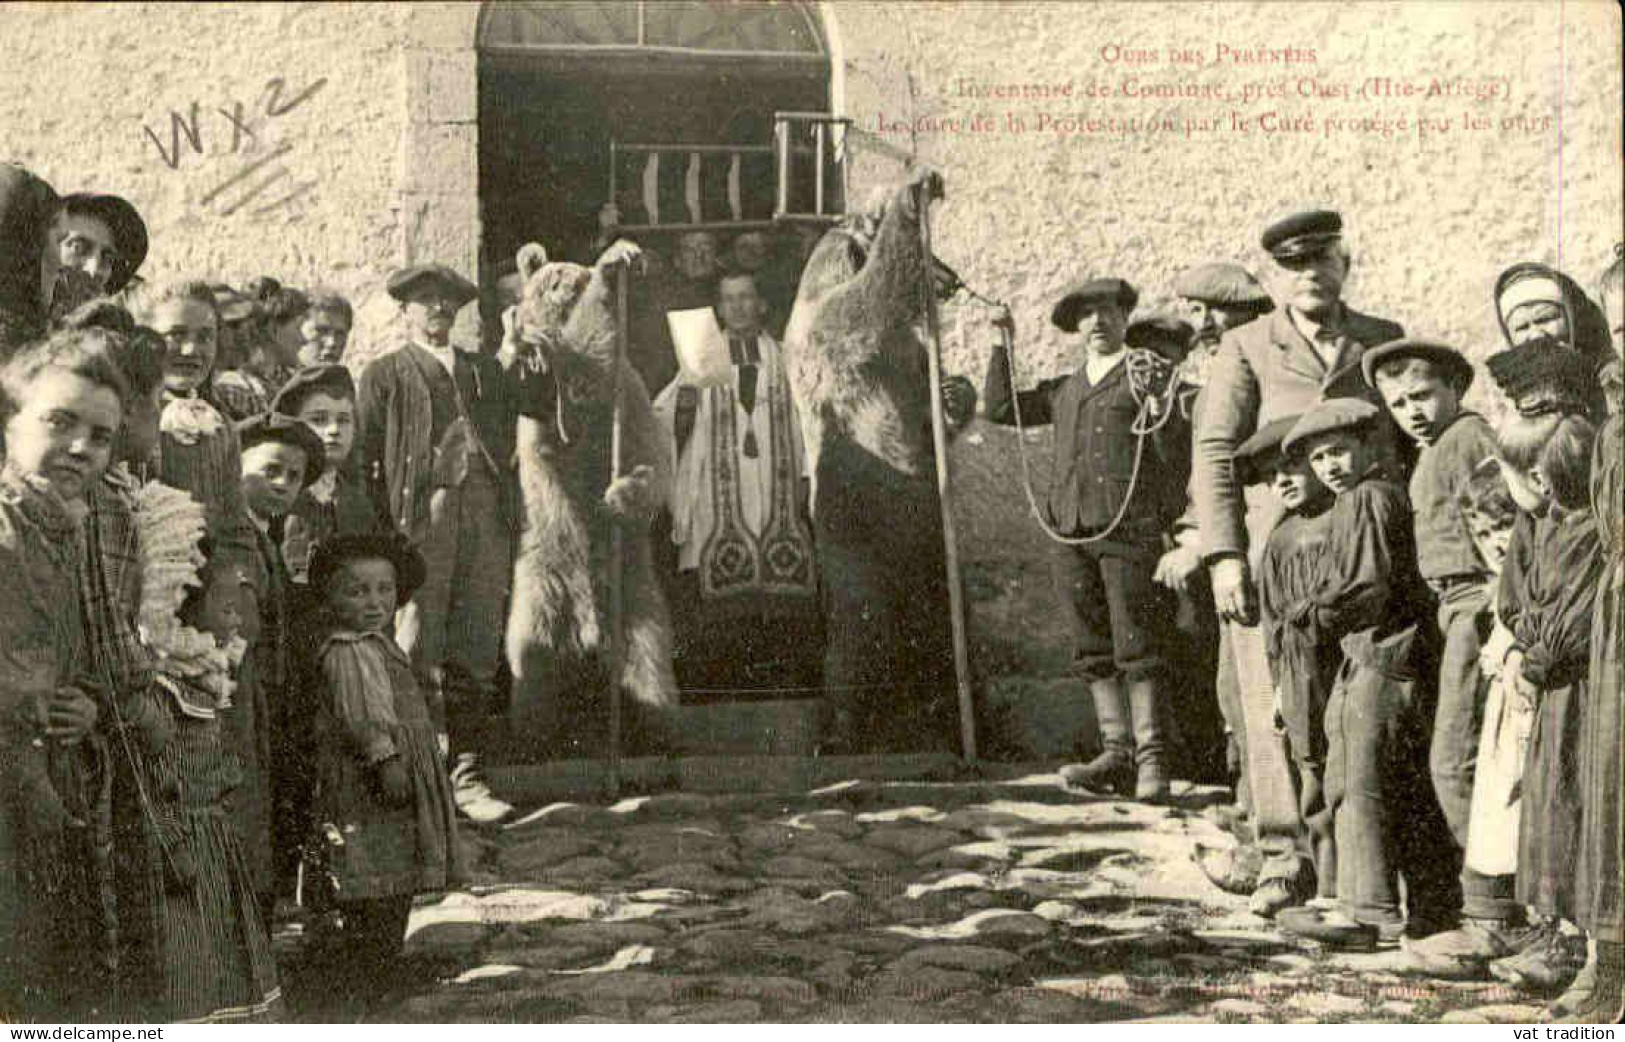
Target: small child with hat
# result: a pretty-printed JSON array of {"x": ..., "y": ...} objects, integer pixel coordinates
[
  {"x": 1545, "y": 598},
  {"x": 280, "y": 457},
  {"x": 386, "y": 817},
  {"x": 1304, "y": 664},
  {"x": 1369, "y": 600},
  {"x": 1421, "y": 382}
]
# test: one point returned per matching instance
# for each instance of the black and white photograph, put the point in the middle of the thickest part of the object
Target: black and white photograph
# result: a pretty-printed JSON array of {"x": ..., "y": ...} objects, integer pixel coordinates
[{"x": 701, "y": 512}]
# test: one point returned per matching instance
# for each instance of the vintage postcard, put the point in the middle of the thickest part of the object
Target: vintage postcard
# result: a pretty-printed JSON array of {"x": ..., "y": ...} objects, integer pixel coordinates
[{"x": 638, "y": 511}]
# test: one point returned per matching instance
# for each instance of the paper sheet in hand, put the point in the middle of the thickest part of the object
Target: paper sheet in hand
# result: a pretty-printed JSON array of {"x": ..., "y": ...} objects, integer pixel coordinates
[{"x": 702, "y": 350}]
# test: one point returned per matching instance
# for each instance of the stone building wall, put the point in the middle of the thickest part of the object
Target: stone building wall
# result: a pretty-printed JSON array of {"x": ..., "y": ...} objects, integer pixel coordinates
[
  {"x": 359, "y": 124},
  {"x": 1432, "y": 220}
]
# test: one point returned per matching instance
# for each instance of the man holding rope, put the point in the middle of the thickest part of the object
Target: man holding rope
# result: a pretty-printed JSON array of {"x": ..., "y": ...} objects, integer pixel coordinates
[{"x": 1116, "y": 476}]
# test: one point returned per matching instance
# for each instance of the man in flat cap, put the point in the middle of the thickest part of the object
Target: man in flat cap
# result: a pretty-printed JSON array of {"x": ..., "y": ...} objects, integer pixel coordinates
[
  {"x": 1306, "y": 350},
  {"x": 1110, "y": 497},
  {"x": 435, "y": 436},
  {"x": 1215, "y": 298}
]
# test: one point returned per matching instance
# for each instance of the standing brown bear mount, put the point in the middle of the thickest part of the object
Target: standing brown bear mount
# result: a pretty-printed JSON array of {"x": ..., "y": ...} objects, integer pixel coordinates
[
  {"x": 558, "y": 629},
  {"x": 858, "y": 368}
]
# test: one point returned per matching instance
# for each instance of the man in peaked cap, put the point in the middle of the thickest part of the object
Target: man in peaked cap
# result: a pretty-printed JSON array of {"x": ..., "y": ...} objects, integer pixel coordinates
[
  {"x": 1300, "y": 353},
  {"x": 1110, "y": 488},
  {"x": 435, "y": 436}
]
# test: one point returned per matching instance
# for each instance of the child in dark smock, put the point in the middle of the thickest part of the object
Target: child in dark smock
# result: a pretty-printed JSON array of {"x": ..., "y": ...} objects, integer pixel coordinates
[
  {"x": 1368, "y": 599},
  {"x": 383, "y": 800},
  {"x": 1547, "y": 591},
  {"x": 1304, "y": 664},
  {"x": 1546, "y": 462}
]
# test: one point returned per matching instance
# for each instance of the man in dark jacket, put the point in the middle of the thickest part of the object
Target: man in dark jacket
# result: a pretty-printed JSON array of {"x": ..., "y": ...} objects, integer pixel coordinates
[
  {"x": 435, "y": 437},
  {"x": 1113, "y": 495}
]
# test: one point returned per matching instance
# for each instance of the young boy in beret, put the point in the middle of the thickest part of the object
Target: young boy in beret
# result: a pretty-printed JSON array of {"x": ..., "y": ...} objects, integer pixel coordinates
[
  {"x": 1421, "y": 382},
  {"x": 435, "y": 438},
  {"x": 1114, "y": 497},
  {"x": 1367, "y": 597},
  {"x": 280, "y": 458}
]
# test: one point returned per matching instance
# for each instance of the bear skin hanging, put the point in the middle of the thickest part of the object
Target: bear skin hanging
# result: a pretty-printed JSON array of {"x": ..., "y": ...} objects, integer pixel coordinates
[
  {"x": 558, "y": 628},
  {"x": 859, "y": 372}
]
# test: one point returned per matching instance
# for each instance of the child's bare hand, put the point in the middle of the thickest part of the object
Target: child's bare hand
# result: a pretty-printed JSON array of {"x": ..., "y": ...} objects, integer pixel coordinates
[{"x": 393, "y": 782}]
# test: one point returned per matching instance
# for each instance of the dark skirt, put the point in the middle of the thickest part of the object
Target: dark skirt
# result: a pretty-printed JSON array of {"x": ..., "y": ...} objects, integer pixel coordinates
[
  {"x": 389, "y": 851},
  {"x": 215, "y": 954},
  {"x": 1549, "y": 834},
  {"x": 245, "y": 726}
]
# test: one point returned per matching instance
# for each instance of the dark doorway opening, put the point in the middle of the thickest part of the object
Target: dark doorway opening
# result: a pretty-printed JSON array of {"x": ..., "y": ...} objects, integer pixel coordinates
[{"x": 573, "y": 99}]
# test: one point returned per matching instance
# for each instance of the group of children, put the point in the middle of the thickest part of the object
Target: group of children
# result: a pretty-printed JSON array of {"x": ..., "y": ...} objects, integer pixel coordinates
[
  {"x": 1446, "y": 658},
  {"x": 202, "y": 702}
]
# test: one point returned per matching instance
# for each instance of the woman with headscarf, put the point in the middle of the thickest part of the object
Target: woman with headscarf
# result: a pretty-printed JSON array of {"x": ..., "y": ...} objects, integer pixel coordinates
[{"x": 1534, "y": 301}]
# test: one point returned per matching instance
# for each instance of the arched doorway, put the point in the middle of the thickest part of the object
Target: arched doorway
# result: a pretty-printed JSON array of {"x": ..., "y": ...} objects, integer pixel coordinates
[{"x": 665, "y": 110}]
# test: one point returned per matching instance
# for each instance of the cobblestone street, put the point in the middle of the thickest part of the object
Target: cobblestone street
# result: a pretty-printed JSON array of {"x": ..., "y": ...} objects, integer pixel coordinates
[{"x": 864, "y": 901}]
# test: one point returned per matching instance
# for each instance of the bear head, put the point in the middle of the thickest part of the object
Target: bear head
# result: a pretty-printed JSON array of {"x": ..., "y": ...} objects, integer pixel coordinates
[{"x": 566, "y": 314}]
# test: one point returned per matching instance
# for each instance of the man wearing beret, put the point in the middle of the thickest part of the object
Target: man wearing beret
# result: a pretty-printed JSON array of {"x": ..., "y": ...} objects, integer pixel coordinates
[
  {"x": 435, "y": 435},
  {"x": 1306, "y": 350},
  {"x": 1215, "y": 298},
  {"x": 1112, "y": 491}
]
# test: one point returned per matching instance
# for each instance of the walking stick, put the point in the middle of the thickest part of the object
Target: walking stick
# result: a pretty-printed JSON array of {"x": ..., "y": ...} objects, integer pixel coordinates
[
  {"x": 939, "y": 439},
  {"x": 617, "y": 638}
]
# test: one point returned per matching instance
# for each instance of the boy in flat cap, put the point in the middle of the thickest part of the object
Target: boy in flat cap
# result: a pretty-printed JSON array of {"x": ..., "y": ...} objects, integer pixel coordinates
[
  {"x": 1366, "y": 598},
  {"x": 280, "y": 456},
  {"x": 436, "y": 429},
  {"x": 1422, "y": 382},
  {"x": 1110, "y": 496}
]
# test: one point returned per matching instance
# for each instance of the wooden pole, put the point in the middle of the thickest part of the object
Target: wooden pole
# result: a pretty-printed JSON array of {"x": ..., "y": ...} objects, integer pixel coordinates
[
  {"x": 617, "y": 636},
  {"x": 939, "y": 438}
]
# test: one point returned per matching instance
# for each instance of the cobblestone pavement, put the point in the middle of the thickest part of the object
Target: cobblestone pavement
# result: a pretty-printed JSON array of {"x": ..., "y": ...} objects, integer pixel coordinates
[{"x": 870, "y": 902}]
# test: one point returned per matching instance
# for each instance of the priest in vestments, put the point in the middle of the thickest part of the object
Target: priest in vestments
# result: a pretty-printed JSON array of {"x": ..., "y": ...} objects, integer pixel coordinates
[{"x": 745, "y": 604}]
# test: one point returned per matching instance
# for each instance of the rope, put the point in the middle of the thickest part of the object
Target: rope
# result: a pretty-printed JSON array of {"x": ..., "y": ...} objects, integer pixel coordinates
[{"x": 1142, "y": 373}]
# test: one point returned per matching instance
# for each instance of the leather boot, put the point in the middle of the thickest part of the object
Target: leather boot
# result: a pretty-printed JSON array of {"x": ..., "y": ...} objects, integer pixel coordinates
[
  {"x": 1151, "y": 775},
  {"x": 1112, "y": 771}
]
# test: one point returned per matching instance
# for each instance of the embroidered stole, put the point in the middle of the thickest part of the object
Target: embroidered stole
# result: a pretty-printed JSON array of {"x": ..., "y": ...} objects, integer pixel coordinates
[{"x": 733, "y": 562}]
